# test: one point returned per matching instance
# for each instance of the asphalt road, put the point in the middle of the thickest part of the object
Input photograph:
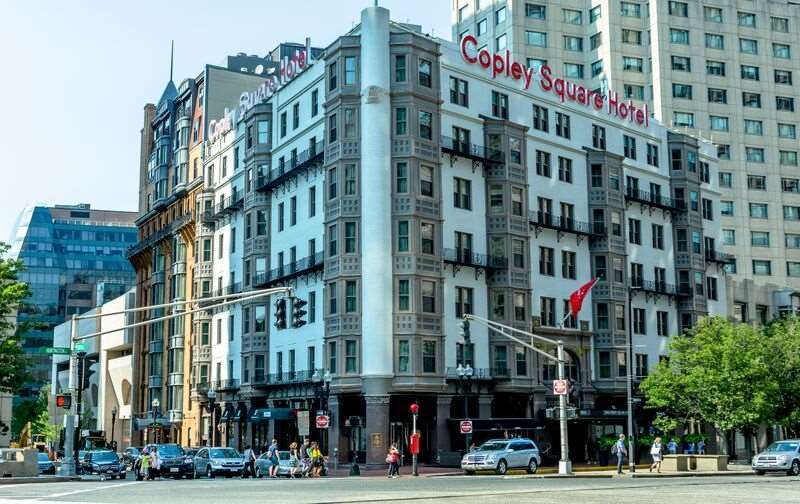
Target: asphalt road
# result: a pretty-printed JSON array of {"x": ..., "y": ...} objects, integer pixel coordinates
[{"x": 459, "y": 489}]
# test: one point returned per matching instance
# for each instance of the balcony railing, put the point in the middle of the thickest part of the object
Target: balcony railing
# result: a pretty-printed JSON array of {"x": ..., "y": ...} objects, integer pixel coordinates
[
  {"x": 229, "y": 204},
  {"x": 654, "y": 200},
  {"x": 468, "y": 150},
  {"x": 560, "y": 223},
  {"x": 227, "y": 290},
  {"x": 478, "y": 374},
  {"x": 159, "y": 235},
  {"x": 466, "y": 257},
  {"x": 652, "y": 286},
  {"x": 292, "y": 270},
  {"x": 290, "y": 377},
  {"x": 719, "y": 257},
  {"x": 309, "y": 157},
  {"x": 231, "y": 384}
]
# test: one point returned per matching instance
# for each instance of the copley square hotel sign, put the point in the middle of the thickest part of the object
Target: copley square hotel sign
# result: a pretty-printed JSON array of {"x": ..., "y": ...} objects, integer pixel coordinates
[
  {"x": 290, "y": 67},
  {"x": 501, "y": 65}
]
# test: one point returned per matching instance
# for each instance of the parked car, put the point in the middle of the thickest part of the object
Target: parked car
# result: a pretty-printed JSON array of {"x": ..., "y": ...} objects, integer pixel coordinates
[
  {"x": 780, "y": 456},
  {"x": 174, "y": 461},
  {"x": 263, "y": 463},
  {"x": 130, "y": 456},
  {"x": 191, "y": 452},
  {"x": 218, "y": 461},
  {"x": 103, "y": 462},
  {"x": 46, "y": 465},
  {"x": 500, "y": 455}
]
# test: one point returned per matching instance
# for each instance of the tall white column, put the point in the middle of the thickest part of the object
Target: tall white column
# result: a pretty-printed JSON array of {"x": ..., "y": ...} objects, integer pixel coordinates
[{"x": 376, "y": 195}]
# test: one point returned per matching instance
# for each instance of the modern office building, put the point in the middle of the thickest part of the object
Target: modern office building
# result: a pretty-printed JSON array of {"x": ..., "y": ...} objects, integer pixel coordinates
[
  {"x": 721, "y": 70},
  {"x": 68, "y": 251},
  {"x": 397, "y": 182}
]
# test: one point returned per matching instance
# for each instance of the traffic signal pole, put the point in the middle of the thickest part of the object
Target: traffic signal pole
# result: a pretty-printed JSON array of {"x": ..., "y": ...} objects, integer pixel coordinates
[
  {"x": 71, "y": 421},
  {"x": 564, "y": 464}
]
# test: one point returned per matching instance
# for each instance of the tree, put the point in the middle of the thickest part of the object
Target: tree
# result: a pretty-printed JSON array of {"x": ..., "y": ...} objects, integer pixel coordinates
[
  {"x": 783, "y": 340},
  {"x": 717, "y": 372},
  {"x": 13, "y": 362}
]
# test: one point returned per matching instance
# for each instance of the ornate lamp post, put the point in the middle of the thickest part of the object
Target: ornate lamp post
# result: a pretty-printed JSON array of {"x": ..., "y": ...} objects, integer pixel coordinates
[
  {"x": 113, "y": 423},
  {"x": 465, "y": 379},
  {"x": 156, "y": 413},
  {"x": 212, "y": 396}
]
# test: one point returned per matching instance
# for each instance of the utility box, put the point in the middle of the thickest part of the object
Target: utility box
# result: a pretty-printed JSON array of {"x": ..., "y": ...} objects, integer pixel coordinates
[{"x": 6, "y": 406}]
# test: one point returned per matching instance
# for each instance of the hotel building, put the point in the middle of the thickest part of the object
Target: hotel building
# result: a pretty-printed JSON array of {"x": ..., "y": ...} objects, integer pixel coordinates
[
  {"x": 721, "y": 70},
  {"x": 396, "y": 183}
]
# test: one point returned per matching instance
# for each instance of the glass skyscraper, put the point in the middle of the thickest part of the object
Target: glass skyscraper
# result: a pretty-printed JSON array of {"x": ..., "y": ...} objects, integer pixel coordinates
[{"x": 74, "y": 260}]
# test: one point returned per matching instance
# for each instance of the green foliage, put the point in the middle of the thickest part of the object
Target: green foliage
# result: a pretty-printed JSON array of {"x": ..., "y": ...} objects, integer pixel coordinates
[
  {"x": 34, "y": 411},
  {"x": 718, "y": 372},
  {"x": 783, "y": 351},
  {"x": 606, "y": 441},
  {"x": 13, "y": 362}
]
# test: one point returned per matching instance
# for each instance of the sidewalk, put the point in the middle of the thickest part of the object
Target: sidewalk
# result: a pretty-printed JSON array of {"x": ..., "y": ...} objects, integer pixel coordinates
[{"x": 38, "y": 479}]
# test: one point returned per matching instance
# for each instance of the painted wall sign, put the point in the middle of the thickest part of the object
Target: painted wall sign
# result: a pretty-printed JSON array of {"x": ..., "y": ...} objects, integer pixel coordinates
[{"x": 502, "y": 65}]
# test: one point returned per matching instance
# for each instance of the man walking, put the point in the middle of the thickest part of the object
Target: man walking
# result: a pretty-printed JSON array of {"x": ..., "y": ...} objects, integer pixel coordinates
[
  {"x": 620, "y": 451},
  {"x": 249, "y": 463}
]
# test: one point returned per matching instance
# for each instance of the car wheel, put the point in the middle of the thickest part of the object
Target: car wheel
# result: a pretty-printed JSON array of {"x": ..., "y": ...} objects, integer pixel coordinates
[
  {"x": 795, "y": 469},
  {"x": 502, "y": 467},
  {"x": 469, "y": 473},
  {"x": 532, "y": 466},
  {"x": 191, "y": 475},
  {"x": 113, "y": 477},
  {"x": 760, "y": 473},
  {"x": 209, "y": 473}
]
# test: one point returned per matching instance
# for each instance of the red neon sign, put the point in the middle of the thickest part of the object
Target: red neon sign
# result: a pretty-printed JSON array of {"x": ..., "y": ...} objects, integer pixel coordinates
[{"x": 566, "y": 90}]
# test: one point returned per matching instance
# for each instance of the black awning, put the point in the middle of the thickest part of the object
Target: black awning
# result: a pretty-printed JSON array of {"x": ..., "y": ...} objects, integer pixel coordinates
[
  {"x": 267, "y": 414},
  {"x": 227, "y": 413},
  {"x": 241, "y": 412}
]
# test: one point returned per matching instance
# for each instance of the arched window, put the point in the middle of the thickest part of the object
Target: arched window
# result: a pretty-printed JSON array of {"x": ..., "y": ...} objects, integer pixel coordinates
[{"x": 550, "y": 367}]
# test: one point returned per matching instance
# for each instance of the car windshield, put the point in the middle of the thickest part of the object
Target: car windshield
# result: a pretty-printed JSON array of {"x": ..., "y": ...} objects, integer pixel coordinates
[
  {"x": 43, "y": 457},
  {"x": 105, "y": 456},
  {"x": 224, "y": 453},
  {"x": 783, "y": 446},
  {"x": 492, "y": 446},
  {"x": 170, "y": 450}
]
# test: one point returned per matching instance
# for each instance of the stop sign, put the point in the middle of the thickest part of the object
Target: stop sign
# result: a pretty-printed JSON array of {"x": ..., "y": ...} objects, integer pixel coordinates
[
  {"x": 322, "y": 421},
  {"x": 560, "y": 387},
  {"x": 466, "y": 426}
]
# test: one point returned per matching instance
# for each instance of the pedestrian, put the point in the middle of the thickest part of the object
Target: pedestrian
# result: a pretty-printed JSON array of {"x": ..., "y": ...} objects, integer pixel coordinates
[
  {"x": 274, "y": 458},
  {"x": 249, "y": 463},
  {"x": 473, "y": 447},
  {"x": 144, "y": 465},
  {"x": 655, "y": 452},
  {"x": 294, "y": 460},
  {"x": 672, "y": 447},
  {"x": 156, "y": 463},
  {"x": 316, "y": 459},
  {"x": 393, "y": 459},
  {"x": 701, "y": 447},
  {"x": 305, "y": 457},
  {"x": 692, "y": 448},
  {"x": 620, "y": 451}
]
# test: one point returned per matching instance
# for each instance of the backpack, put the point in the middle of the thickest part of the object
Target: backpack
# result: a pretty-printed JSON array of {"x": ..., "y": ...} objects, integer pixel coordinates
[{"x": 614, "y": 449}]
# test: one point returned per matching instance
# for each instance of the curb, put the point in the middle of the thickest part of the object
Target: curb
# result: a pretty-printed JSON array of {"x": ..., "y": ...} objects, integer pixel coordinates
[{"x": 54, "y": 479}]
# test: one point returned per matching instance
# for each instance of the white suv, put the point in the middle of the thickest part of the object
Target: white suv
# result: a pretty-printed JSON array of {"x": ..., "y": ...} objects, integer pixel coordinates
[{"x": 500, "y": 455}]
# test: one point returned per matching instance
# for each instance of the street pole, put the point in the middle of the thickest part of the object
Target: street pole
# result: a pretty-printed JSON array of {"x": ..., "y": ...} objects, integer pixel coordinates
[
  {"x": 68, "y": 461},
  {"x": 81, "y": 371},
  {"x": 414, "y": 468},
  {"x": 565, "y": 464},
  {"x": 113, "y": 422},
  {"x": 629, "y": 357}
]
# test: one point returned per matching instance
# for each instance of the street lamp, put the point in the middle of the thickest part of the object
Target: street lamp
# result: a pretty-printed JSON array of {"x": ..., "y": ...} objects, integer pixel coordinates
[
  {"x": 465, "y": 379},
  {"x": 212, "y": 395},
  {"x": 155, "y": 404},
  {"x": 113, "y": 422}
]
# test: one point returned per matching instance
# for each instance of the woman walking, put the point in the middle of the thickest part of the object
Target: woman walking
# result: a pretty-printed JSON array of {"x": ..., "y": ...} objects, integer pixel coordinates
[
  {"x": 294, "y": 460},
  {"x": 655, "y": 452},
  {"x": 393, "y": 458}
]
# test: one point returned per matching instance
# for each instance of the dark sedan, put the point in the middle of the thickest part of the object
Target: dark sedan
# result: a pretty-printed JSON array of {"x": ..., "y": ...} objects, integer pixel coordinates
[
  {"x": 104, "y": 463},
  {"x": 46, "y": 465}
]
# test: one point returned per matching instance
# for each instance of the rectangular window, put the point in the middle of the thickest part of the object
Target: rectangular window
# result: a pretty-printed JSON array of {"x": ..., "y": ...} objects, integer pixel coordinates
[
  {"x": 682, "y": 91},
  {"x": 350, "y": 297},
  {"x": 425, "y": 75},
  {"x": 499, "y": 105},
  {"x": 350, "y": 357},
  {"x": 349, "y": 237},
  {"x": 463, "y": 301},
  {"x": 762, "y": 267},
  {"x": 757, "y": 182},
  {"x": 717, "y": 95},
  {"x": 568, "y": 264},
  {"x": 783, "y": 77},
  {"x": 541, "y": 118},
  {"x": 402, "y": 236},
  {"x": 631, "y": 37},
  {"x": 427, "y": 238},
  {"x": 332, "y": 136},
  {"x": 425, "y": 125},
  {"x": 332, "y": 240},
  {"x": 536, "y": 38},
  {"x": 788, "y": 158},
  {"x": 459, "y": 92},
  {"x": 349, "y": 70},
  {"x": 629, "y": 146},
  {"x": 547, "y": 311},
  {"x": 403, "y": 295},
  {"x": 681, "y": 64},
  {"x": 543, "y": 164},
  {"x": 715, "y": 41},
  {"x": 658, "y": 236},
  {"x": 572, "y": 43},
  {"x": 785, "y": 103},
  {"x": 332, "y": 354},
  {"x": 565, "y": 169},
  {"x": 754, "y": 154},
  {"x": 403, "y": 356},
  {"x": 546, "y": 261},
  {"x": 598, "y": 137},
  {"x": 759, "y": 238},
  {"x": 400, "y": 68},
  {"x": 712, "y": 14},
  {"x": 747, "y": 19},
  {"x": 428, "y": 293},
  {"x": 748, "y": 46},
  {"x": 677, "y": 36},
  {"x": 750, "y": 72},
  {"x": 462, "y": 193},
  {"x": 716, "y": 68},
  {"x": 604, "y": 367}
]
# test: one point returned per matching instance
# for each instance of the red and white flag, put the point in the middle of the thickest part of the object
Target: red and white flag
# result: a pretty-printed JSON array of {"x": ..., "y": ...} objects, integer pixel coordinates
[{"x": 576, "y": 298}]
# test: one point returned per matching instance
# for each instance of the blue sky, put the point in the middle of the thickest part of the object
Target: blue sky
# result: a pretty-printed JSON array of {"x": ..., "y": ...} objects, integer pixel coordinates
[{"x": 77, "y": 74}]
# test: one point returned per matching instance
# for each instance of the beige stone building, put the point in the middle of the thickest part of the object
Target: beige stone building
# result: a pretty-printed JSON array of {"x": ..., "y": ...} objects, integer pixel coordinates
[{"x": 722, "y": 70}]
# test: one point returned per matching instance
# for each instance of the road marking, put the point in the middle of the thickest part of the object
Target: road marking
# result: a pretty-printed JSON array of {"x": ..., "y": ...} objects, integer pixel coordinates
[{"x": 85, "y": 490}]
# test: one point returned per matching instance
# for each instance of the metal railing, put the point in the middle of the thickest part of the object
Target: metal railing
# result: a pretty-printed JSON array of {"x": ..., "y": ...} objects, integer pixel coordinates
[
  {"x": 560, "y": 223},
  {"x": 232, "y": 202},
  {"x": 653, "y": 286},
  {"x": 719, "y": 257},
  {"x": 653, "y": 199},
  {"x": 314, "y": 154},
  {"x": 467, "y": 257},
  {"x": 289, "y": 271},
  {"x": 230, "y": 384},
  {"x": 288, "y": 377},
  {"x": 159, "y": 235},
  {"x": 471, "y": 150},
  {"x": 477, "y": 373}
]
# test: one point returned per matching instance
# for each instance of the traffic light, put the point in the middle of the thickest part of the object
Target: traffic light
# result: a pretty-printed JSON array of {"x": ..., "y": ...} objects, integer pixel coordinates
[
  {"x": 280, "y": 313},
  {"x": 64, "y": 401},
  {"x": 464, "y": 331},
  {"x": 298, "y": 312},
  {"x": 87, "y": 372}
]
